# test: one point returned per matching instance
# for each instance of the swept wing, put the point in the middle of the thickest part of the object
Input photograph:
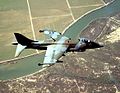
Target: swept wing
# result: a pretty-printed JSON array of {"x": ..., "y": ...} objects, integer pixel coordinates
[{"x": 54, "y": 52}]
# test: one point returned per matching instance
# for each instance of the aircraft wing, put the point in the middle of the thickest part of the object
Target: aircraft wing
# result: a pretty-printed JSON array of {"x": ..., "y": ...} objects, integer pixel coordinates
[{"x": 54, "y": 52}]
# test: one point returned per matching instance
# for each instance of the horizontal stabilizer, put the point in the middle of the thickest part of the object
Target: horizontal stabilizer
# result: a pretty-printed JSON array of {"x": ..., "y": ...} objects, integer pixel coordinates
[
  {"x": 19, "y": 49},
  {"x": 14, "y": 43}
]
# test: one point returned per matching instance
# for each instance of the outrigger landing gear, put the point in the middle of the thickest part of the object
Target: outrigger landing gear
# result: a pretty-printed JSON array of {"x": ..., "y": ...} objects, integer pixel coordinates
[
  {"x": 50, "y": 64},
  {"x": 59, "y": 61},
  {"x": 46, "y": 65},
  {"x": 39, "y": 64}
]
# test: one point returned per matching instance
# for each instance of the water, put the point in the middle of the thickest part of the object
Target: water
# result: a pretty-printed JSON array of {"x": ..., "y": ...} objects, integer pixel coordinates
[
  {"x": 78, "y": 26},
  {"x": 21, "y": 68}
]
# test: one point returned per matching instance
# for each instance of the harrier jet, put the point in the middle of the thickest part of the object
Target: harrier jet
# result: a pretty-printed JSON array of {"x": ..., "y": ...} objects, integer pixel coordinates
[{"x": 56, "y": 48}]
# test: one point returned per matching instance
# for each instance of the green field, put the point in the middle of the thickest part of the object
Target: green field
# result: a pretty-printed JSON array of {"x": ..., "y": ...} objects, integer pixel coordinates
[
  {"x": 13, "y": 18},
  {"x": 48, "y": 7},
  {"x": 84, "y": 2},
  {"x": 53, "y": 14}
]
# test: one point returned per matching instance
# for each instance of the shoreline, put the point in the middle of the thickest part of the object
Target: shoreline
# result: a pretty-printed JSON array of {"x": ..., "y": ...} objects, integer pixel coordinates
[
  {"x": 25, "y": 76},
  {"x": 14, "y": 59},
  {"x": 85, "y": 15}
]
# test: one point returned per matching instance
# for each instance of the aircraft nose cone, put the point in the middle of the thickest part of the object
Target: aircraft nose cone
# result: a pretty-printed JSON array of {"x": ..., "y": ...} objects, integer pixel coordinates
[{"x": 95, "y": 45}]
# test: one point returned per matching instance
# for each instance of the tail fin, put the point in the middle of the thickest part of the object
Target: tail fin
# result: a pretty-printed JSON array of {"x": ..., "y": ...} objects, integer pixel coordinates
[
  {"x": 23, "y": 42},
  {"x": 22, "y": 39}
]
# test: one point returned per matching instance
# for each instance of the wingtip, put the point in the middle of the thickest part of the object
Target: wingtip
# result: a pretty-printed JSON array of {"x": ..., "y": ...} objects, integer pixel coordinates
[
  {"x": 41, "y": 31},
  {"x": 16, "y": 33}
]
